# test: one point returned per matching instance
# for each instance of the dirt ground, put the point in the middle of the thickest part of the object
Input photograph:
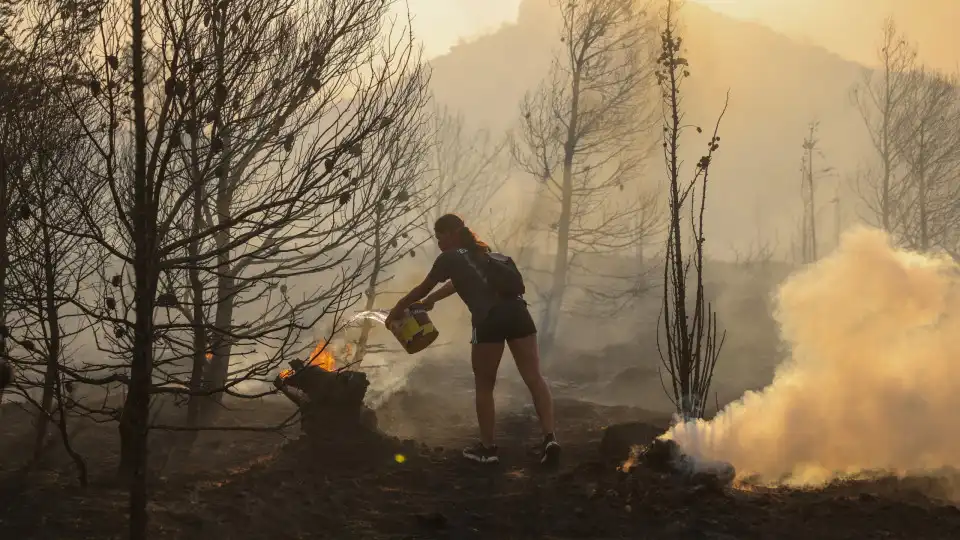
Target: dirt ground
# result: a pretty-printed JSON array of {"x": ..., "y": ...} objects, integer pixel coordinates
[{"x": 411, "y": 483}]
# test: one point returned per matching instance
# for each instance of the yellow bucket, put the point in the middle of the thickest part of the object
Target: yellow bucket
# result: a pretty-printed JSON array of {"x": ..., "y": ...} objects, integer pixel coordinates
[{"x": 415, "y": 331}]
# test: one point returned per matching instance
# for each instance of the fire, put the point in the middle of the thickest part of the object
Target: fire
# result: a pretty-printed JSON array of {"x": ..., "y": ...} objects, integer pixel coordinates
[{"x": 321, "y": 357}]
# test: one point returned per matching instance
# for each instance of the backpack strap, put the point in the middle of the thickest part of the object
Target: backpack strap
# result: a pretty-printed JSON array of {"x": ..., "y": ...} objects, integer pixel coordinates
[{"x": 483, "y": 275}]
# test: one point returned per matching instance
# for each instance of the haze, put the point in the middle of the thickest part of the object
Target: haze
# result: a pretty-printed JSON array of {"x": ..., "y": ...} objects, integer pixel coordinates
[{"x": 847, "y": 28}]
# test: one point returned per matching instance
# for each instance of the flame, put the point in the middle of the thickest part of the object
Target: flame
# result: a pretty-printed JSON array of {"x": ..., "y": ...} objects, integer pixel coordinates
[
  {"x": 631, "y": 459},
  {"x": 321, "y": 357},
  {"x": 209, "y": 356}
]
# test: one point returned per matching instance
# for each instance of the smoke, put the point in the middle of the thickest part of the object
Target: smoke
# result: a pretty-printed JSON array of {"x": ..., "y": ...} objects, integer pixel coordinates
[
  {"x": 873, "y": 378},
  {"x": 388, "y": 375}
]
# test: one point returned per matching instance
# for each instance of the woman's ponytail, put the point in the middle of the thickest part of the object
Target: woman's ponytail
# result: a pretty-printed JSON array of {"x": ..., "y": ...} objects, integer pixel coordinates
[{"x": 470, "y": 241}]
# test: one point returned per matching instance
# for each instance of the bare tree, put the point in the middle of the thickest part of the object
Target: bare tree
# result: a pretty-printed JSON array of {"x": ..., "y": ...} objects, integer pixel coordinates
[
  {"x": 585, "y": 135},
  {"x": 883, "y": 98},
  {"x": 811, "y": 173},
  {"x": 49, "y": 269},
  {"x": 398, "y": 169},
  {"x": 926, "y": 212},
  {"x": 470, "y": 167},
  {"x": 224, "y": 138},
  {"x": 692, "y": 340},
  {"x": 41, "y": 269},
  {"x": 14, "y": 87}
]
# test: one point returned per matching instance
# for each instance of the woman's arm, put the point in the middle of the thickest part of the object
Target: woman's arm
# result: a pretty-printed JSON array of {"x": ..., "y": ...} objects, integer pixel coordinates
[
  {"x": 439, "y": 294},
  {"x": 411, "y": 298}
]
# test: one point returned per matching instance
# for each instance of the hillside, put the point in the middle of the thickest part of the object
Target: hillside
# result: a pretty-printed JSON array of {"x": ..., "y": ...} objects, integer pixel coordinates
[
  {"x": 777, "y": 87},
  {"x": 851, "y": 27}
]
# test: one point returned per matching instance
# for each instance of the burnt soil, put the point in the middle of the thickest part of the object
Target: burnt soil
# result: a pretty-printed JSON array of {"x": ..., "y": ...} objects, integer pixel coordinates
[{"x": 242, "y": 484}]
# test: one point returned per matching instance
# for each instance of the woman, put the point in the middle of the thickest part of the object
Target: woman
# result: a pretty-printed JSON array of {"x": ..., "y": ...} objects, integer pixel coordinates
[{"x": 496, "y": 320}]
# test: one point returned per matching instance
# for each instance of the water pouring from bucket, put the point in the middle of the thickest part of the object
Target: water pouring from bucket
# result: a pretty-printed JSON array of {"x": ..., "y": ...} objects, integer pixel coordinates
[{"x": 415, "y": 331}]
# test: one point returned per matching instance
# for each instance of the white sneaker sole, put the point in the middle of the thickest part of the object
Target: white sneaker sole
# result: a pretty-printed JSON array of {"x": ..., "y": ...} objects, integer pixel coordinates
[{"x": 481, "y": 459}]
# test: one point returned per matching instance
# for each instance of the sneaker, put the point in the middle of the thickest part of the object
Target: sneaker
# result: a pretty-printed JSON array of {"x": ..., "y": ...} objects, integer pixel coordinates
[
  {"x": 481, "y": 454},
  {"x": 551, "y": 450}
]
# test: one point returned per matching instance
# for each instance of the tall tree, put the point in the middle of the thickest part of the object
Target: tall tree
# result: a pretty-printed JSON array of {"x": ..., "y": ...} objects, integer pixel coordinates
[
  {"x": 925, "y": 214},
  {"x": 49, "y": 269},
  {"x": 811, "y": 172},
  {"x": 399, "y": 173},
  {"x": 691, "y": 342},
  {"x": 883, "y": 98},
  {"x": 43, "y": 269},
  {"x": 225, "y": 135},
  {"x": 470, "y": 166},
  {"x": 586, "y": 133}
]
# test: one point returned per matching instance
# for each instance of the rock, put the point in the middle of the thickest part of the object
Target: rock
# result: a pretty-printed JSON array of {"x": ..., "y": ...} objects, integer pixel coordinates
[
  {"x": 661, "y": 455},
  {"x": 666, "y": 457},
  {"x": 618, "y": 439}
]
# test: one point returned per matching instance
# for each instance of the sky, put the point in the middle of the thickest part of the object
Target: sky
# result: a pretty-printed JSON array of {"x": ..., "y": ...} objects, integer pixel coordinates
[
  {"x": 442, "y": 23},
  {"x": 849, "y": 28}
]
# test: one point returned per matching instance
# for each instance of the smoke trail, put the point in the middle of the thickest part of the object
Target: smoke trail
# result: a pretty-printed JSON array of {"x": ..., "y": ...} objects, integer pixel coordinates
[{"x": 873, "y": 380}]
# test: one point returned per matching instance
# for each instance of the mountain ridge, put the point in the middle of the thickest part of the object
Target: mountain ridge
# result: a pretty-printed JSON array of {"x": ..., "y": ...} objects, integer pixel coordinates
[{"x": 778, "y": 86}]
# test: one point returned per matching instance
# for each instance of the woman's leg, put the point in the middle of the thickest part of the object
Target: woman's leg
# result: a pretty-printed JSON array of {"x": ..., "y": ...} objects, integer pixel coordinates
[
  {"x": 485, "y": 358},
  {"x": 526, "y": 354}
]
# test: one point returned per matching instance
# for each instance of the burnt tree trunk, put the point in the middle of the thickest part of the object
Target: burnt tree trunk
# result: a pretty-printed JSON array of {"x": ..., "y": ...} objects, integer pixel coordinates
[
  {"x": 561, "y": 262},
  {"x": 329, "y": 401},
  {"x": 134, "y": 420},
  {"x": 371, "y": 291},
  {"x": 51, "y": 377},
  {"x": 219, "y": 366}
]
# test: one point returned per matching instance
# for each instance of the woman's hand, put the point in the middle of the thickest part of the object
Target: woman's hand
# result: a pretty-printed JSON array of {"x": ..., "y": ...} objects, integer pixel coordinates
[{"x": 417, "y": 294}]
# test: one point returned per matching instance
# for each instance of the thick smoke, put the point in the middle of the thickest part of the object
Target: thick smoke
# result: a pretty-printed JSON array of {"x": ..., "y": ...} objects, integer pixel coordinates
[{"x": 873, "y": 378}]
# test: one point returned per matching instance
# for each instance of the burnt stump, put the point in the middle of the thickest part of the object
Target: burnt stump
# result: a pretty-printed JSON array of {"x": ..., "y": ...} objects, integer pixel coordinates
[
  {"x": 619, "y": 439},
  {"x": 330, "y": 402}
]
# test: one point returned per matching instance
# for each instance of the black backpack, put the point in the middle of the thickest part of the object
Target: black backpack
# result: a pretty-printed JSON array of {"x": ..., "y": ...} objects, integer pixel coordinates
[{"x": 500, "y": 273}]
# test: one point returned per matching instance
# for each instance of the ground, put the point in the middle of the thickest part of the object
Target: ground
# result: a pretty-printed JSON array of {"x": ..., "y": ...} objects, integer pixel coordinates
[{"x": 411, "y": 483}]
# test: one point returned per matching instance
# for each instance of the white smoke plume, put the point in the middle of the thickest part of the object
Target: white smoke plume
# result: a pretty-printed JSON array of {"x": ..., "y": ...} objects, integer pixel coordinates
[{"x": 873, "y": 378}]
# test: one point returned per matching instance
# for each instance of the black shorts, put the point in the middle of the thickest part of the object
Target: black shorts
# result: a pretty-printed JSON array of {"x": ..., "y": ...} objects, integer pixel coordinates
[{"x": 507, "y": 321}]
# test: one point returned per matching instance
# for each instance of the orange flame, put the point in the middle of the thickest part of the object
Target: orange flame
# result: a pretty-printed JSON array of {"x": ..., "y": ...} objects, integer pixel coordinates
[{"x": 321, "y": 357}]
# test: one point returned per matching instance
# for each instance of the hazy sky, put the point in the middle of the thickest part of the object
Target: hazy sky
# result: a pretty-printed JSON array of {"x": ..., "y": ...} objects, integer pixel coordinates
[
  {"x": 851, "y": 28},
  {"x": 848, "y": 27},
  {"x": 442, "y": 23}
]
